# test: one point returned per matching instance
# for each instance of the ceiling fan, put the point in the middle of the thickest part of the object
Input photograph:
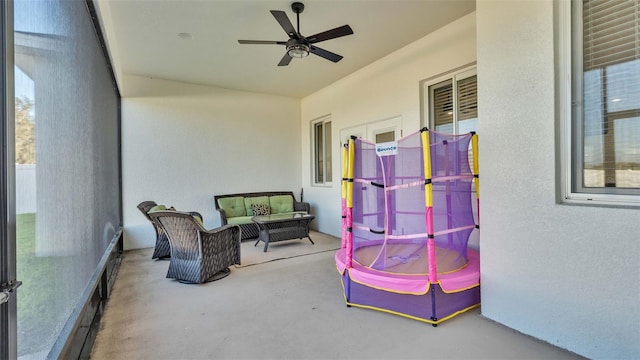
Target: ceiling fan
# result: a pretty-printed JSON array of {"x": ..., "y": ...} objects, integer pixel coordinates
[{"x": 300, "y": 46}]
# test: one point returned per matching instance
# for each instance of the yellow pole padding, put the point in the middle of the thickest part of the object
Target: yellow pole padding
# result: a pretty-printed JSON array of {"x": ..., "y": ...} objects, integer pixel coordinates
[
  {"x": 428, "y": 196},
  {"x": 426, "y": 158},
  {"x": 351, "y": 160},
  {"x": 344, "y": 172},
  {"x": 474, "y": 149}
]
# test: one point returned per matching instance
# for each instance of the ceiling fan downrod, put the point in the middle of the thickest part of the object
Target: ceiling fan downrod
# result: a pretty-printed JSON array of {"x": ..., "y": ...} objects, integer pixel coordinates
[{"x": 297, "y": 8}]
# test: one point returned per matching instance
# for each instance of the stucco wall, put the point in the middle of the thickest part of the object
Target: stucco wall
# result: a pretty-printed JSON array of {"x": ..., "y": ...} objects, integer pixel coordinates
[
  {"x": 385, "y": 89},
  {"x": 182, "y": 143},
  {"x": 568, "y": 275}
]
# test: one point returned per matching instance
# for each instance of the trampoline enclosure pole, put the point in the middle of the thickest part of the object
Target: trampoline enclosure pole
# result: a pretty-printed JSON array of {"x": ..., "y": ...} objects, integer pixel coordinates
[
  {"x": 447, "y": 186},
  {"x": 350, "y": 166},
  {"x": 476, "y": 174},
  {"x": 428, "y": 196},
  {"x": 343, "y": 197}
]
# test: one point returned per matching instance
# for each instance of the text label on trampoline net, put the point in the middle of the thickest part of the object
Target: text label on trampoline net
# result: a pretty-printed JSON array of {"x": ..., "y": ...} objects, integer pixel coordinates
[{"x": 387, "y": 148}]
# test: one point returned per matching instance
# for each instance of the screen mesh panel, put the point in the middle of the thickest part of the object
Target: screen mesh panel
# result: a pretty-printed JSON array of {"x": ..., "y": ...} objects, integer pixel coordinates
[{"x": 69, "y": 201}]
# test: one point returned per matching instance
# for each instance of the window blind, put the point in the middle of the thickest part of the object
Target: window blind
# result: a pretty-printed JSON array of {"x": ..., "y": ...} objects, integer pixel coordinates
[
  {"x": 443, "y": 104},
  {"x": 468, "y": 98},
  {"x": 611, "y": 32}
]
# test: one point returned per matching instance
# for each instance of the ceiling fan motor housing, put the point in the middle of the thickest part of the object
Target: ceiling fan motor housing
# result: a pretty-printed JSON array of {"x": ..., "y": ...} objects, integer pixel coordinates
[{"x": 294, "y": 42}]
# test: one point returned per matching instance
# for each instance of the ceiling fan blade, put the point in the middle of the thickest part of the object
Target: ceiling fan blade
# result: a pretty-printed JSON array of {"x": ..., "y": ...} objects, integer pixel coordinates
[
  {"x": 283, "y": 20},
  {"x": 325, "y": 54},
  {"x": 262, "y": 42},
  {"x": 330, "y": 34},
  {"x": 286, "y": 59}
]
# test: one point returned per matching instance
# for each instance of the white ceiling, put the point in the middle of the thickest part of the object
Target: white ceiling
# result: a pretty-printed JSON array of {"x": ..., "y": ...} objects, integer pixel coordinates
[{"x": 142, "y": 36}]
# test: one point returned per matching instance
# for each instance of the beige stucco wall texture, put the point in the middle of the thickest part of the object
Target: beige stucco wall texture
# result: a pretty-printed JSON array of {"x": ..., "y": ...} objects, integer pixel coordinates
[{"x": 565, "y": 274}]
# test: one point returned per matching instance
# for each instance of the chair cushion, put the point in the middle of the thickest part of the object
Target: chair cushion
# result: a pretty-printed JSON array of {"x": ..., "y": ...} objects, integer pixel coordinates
[
  {"x": 281, "y": 204},
  {"x": 197, "y": 217},
  {"x": 249, "y": 201},
  {"x": 157, "y": 208},
  {"x": 232, "y": 206},
  {"x": 261, "y": 209},
  {"x": 240, "y": 220}
]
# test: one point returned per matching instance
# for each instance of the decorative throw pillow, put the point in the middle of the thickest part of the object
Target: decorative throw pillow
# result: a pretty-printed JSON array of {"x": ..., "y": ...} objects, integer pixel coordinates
[{"x": 260, "y": 209}]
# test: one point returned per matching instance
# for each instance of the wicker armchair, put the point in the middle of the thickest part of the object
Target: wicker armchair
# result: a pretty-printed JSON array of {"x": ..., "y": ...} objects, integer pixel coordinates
[
  {"x": 198, "y": 255},
  {"x": 162, "y": 250}
]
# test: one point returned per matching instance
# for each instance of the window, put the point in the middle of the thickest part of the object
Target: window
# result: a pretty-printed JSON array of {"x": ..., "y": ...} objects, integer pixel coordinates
[
  {"x": 601, "y": 116},
  {"x": 321, "y": 135},
  {"x": 451, "y": 102}
]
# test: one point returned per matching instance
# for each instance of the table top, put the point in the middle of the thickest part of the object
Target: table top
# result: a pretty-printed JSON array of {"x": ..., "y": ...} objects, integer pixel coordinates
[{"x": 282, "y": 217}]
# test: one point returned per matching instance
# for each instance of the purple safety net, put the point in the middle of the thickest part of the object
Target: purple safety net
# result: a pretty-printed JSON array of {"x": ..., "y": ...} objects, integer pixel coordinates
[{"x": 389, "y": 213}]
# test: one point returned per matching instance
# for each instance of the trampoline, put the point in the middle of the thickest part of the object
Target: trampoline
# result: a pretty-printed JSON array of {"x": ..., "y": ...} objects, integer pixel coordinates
[{"x": 407, "y": 211}]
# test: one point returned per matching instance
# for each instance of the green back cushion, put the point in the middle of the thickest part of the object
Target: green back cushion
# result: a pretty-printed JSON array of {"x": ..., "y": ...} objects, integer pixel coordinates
[
  {"x": 157, "y": 208},
  {"x": 233, "y": 206},
  {"x": 281, "y": 204},
  {"x": 264, "y": 200}
]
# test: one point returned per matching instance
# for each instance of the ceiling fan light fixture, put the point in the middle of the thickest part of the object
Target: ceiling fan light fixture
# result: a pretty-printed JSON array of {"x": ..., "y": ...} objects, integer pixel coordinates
[{"x": 298, "y": 50}]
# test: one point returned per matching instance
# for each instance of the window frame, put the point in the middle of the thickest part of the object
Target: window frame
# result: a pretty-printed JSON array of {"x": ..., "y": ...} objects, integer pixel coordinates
[
  {"x": 569, "y": 125},
  {"x": 8, "y": 273},
  {"x": 427, "y": 117},
  {"x": 322, "y": 121}
]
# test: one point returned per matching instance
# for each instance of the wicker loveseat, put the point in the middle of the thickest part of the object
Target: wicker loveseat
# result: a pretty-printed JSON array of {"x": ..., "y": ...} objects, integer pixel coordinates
[{"x": 237, "y": 209}]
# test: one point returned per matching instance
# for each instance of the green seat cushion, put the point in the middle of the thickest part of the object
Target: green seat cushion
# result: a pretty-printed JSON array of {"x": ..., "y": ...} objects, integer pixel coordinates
[
  {"x": 249, "y": 201},
  {"x": 157, "y": 208},
  {"x": 239, "y": 220},
  {"x": 232, "y": 206},
  {"x": 281, "y": 204}
]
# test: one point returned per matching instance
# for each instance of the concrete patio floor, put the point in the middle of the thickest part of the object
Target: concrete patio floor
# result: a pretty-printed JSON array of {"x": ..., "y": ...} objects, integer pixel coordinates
[{"x": 289, "y": 307}]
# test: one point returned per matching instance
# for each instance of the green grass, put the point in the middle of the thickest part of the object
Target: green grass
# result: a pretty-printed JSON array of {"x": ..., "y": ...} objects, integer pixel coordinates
[
  {"x": 44, "y": 300},
  {"x": 26, "y": 234}
]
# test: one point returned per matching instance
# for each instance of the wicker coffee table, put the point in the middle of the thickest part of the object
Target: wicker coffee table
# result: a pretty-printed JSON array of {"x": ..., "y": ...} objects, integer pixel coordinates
[{"x": 279, "y": 227}]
